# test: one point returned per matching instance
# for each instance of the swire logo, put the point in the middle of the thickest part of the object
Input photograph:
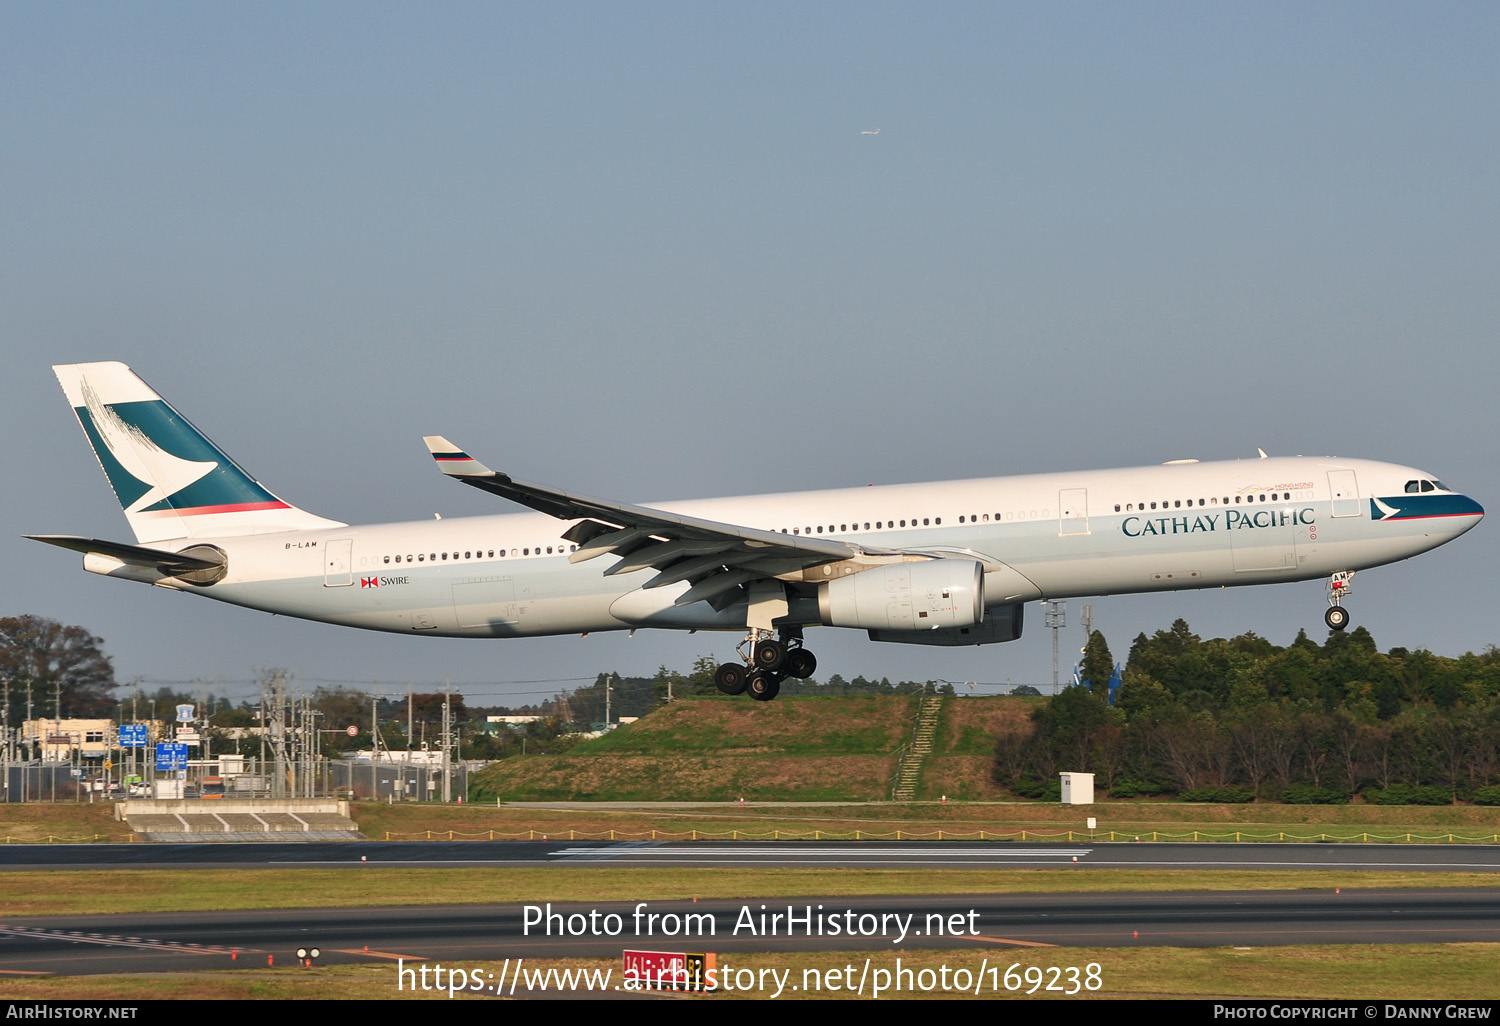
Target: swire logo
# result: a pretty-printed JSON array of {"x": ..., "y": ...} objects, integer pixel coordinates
[{"x": 369, "y": 582}]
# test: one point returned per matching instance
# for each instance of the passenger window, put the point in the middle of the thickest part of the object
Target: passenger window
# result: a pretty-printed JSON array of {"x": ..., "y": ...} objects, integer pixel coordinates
[{"x": 421, "y": 558}]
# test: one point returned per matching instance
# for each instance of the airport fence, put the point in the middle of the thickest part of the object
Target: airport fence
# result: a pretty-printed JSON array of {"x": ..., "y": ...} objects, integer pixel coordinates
[
  {"x": 393, "y": 781},
  {"x": 43, "y": 782}
]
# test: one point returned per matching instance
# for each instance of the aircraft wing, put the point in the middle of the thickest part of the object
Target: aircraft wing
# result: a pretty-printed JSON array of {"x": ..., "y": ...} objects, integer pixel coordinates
[{"x": 715, "y": 558}]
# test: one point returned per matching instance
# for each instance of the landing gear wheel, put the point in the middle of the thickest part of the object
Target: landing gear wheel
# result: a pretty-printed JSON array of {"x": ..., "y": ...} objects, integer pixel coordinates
[
  {"x": 1337, "y": 618},
  {"x": 769, "y": 654},
  {"x": 732, "y": 678},
  {"x": 801, "y": 663},
  {"x": 764, "y": 686}
]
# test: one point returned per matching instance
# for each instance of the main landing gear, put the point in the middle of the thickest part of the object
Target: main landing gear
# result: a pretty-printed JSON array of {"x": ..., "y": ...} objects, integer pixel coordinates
[
  {"x": 769, "y": 662},
  {"x": 1337, "y": 617}
]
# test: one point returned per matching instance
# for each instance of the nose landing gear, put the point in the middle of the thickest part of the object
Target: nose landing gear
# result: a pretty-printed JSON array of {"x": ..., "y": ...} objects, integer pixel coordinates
[{"x": 1336, "y": 616}]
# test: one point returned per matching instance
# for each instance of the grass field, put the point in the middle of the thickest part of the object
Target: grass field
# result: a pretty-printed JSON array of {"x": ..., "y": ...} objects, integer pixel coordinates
[{"x": 359, "y": 885}]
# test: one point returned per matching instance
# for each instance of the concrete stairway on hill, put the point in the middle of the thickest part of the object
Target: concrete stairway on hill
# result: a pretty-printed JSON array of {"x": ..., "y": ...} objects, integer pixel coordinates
[{"x": 921, "y": 747}]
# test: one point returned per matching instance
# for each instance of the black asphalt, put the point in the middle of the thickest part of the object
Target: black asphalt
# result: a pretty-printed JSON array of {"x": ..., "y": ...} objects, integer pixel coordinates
[
  {"x": 996, "y": 926},
  {"x": 773, "y": 854}
]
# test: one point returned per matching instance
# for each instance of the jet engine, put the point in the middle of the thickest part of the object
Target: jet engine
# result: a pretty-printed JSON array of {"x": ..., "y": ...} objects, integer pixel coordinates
[{"x": 932, "y": 594}]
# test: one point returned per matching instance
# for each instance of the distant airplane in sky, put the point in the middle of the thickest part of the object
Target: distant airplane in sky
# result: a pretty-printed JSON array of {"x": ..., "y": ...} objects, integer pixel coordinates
[
  {"x": 950, "y": 563},
  {"x": 868, "y": 131}
]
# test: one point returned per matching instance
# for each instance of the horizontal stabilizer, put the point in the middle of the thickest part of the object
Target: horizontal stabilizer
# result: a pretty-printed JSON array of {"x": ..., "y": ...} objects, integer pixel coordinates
[{"x": 170, "y": 563}]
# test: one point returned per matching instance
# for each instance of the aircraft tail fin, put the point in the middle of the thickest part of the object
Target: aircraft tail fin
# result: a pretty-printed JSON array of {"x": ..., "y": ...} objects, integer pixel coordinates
[{"x": 172, "y": 482}]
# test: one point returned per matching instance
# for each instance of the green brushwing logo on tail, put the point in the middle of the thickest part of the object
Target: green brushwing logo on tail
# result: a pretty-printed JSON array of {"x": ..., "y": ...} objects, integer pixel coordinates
[{"x": 159, "y": 463}]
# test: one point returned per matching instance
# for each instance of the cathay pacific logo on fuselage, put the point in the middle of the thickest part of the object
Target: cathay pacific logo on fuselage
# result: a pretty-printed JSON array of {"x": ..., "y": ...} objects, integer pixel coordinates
[{"x": 1232, "y": 520}]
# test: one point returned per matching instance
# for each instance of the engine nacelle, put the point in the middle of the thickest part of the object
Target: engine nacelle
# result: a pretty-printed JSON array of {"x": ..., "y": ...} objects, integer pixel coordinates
[
  {"x": 932, "y": 594},
  {"x": 1002, "y": 623}
]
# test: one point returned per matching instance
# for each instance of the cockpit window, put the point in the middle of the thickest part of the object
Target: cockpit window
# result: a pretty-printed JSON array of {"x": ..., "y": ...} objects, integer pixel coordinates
[
  {"x": 1426, "y": 486},
  {"x": 1442, "y": 487},
  {"x": 1413, "y": 486}
]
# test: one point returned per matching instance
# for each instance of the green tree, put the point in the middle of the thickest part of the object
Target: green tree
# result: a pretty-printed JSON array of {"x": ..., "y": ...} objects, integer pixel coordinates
[
  {"x": 65, "y": 666},
  {"x": 1098, "y": 665}
]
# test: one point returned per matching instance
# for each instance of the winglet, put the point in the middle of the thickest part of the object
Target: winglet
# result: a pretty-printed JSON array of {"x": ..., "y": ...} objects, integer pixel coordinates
[{"x": 452, "y": 460}]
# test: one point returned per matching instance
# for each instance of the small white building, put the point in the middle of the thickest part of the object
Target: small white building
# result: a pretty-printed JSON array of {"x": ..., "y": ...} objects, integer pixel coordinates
[{"x": 1077, "y": 788}]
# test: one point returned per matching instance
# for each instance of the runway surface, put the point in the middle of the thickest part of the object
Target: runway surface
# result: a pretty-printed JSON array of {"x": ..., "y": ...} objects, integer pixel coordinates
[
  {"x": 1000, "y": 927},
  {"x": 983, "y": 923},
  {"x": 772, "y": 854}
]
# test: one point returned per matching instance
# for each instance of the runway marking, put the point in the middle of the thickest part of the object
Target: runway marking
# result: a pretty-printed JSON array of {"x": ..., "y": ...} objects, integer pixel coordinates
[
  {"x": 380, "y": 954},
  {"x": 772, "y": 852},
  {"x": 1008, "y": 940},
  {"x": 76, "y": 937},
  {"x": 23, "y": 972}
]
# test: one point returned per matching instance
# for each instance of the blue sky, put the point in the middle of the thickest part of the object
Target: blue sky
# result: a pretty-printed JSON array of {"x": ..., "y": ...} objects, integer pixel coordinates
[{"x": 645, "y": 252}]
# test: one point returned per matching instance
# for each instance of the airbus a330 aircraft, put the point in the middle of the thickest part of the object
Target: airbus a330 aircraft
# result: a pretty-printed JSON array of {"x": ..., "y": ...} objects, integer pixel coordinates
[{"x": 951, "y": 563}]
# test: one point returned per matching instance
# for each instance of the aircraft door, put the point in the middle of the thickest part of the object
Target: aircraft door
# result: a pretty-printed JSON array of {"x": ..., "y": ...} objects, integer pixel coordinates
[
  {"x": 1345, "y": 492},
  {"x": 1072, "y": 512},
  {"x": 337, "y": 561}
]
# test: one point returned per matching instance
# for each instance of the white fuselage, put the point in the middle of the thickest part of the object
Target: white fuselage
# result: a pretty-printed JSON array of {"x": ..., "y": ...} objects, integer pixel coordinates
[{"x": 1181, "y": 525}]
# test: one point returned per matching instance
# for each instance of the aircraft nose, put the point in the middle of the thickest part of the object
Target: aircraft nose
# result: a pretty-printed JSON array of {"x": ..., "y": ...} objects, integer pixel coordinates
[{"x": 1466, "y": 513}]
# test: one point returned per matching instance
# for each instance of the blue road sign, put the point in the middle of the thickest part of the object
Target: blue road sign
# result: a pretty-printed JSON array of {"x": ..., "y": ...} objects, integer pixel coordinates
[
  {"x": 132, "y": 735},
  {"x": 171, "y": 755}
]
